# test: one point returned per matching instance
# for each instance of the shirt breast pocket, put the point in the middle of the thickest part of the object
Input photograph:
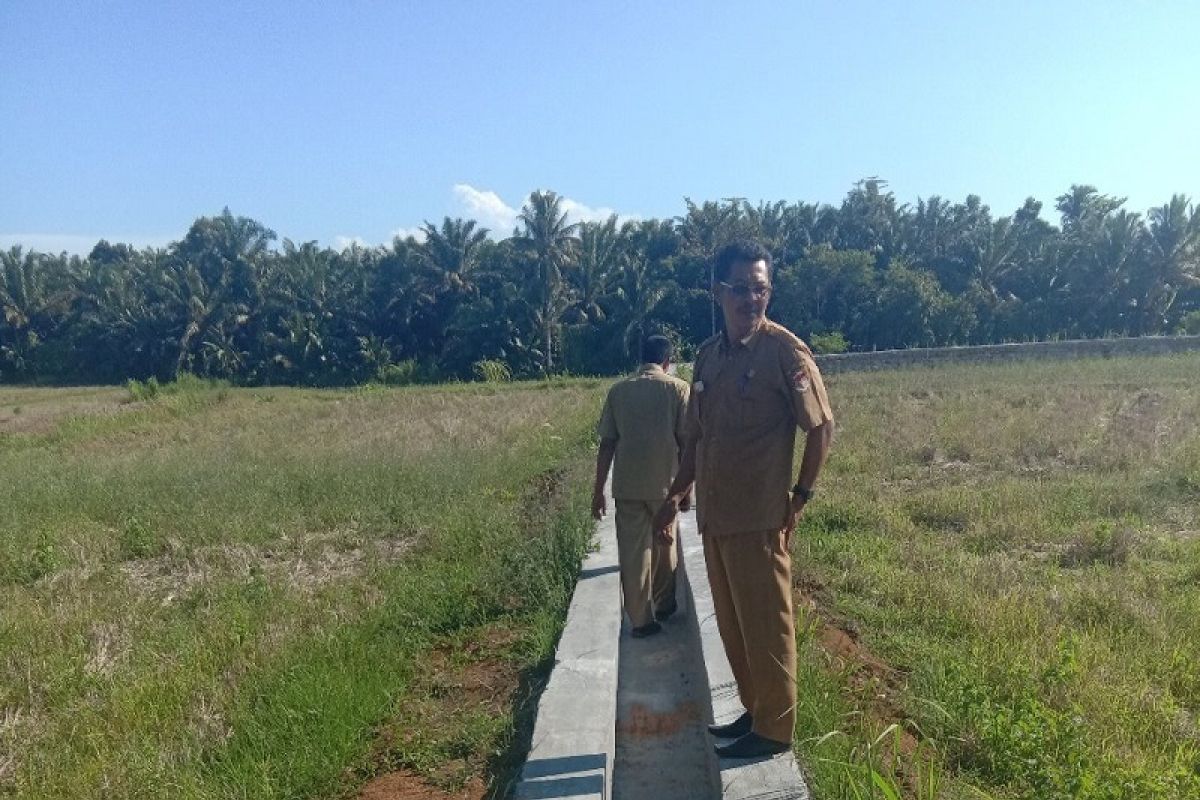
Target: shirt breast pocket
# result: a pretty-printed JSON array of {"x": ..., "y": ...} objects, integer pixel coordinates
[{"x": 758, "y": 405}]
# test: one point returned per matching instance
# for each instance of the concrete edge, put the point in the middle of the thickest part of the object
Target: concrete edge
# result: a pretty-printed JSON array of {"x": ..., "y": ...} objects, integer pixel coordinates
[
  {"x": 574, "y": 734},
  {"x": 1007, "y": 351},
  {"x": 778, "y": 778}
]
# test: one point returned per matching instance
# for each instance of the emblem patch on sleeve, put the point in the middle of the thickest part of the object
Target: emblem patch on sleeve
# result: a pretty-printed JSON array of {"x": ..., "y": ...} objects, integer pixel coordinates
[{"x": 801, "y": 381}]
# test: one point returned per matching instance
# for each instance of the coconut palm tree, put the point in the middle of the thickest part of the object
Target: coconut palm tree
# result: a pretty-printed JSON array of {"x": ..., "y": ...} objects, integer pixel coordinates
[
  {"x": 601, "y": 246},
  {"x": 36, "y": 292},
  {"x": 452, "y": 253},
  {"x": 643, "y": 282},
  {"x": 549, "y": 242},
  {"x": 1174, "y": 252}
]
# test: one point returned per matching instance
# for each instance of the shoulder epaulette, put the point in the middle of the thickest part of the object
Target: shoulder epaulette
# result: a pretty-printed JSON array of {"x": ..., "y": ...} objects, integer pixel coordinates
[{"x": 778, "y": 331}]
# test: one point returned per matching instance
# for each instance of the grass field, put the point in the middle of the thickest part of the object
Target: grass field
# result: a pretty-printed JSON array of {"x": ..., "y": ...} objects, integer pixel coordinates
[
  {"x": 1000, "y": 584},
  {"x": 280, "y": 593},
  {"x": 219, "y": 593}
]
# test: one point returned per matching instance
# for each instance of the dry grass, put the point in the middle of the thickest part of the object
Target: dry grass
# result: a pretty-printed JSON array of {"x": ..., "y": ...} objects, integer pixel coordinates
[
  {"x": 1018, "y": 541},
  {"x": 188, "y": 581},
  {"x": 38, "y": 411}
]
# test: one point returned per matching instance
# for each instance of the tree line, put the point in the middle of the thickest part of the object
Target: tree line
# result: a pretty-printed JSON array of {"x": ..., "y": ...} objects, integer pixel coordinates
[{"x": 559, "y": 296}]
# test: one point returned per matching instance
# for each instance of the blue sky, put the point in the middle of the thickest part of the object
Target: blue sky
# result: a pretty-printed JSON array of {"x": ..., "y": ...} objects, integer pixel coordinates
[{"x": 340, "y": 121}]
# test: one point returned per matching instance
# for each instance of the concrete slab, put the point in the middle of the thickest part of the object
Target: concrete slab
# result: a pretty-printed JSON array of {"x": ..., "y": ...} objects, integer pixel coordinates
[
  {"x": 776, "y": 778},
  {"x": 662, "y": 711},
  {"x": 680, "y": 676},
  {"x": 574, "y": 740}
]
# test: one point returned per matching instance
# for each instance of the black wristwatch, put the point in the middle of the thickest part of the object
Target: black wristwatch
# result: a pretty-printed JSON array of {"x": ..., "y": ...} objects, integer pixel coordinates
[{"x": 804, "y": 493}]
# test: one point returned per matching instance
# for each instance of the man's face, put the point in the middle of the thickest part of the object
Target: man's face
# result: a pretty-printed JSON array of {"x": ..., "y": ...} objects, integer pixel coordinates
[{"x": 744, "y": 296}]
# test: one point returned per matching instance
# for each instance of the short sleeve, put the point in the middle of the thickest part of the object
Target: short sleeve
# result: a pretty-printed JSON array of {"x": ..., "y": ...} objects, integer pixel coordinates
[
  {"x": 691, "y": 423},
  {"x": 806, "y": 389},
  {"x": 681, "y": 415},
  {"x": 607, "y": 428}
]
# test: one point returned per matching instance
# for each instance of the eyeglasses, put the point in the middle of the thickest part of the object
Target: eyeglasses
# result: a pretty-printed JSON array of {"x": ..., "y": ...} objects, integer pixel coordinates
[{"x": 741, "y": 290}]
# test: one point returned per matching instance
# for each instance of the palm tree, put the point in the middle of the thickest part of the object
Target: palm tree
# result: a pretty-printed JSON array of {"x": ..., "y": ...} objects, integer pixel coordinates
[
  {"x": 869, "y": 219},
  {"x": 1118, "y": 260},
  {"x": 216, "y": 280},
  {"x": 642, "y": 282},
  {"x": 600, "y": 251},
  {"x": 928, "y": 231},
  {"x": 36, "y": 292},
  {"x": 1174, "y": 251},
  {"x": 121, "y": 324},
  {"x": 550, "y": 242},
  {"x": 452, "y": 251},
  {"x": 993, "y": 258}
]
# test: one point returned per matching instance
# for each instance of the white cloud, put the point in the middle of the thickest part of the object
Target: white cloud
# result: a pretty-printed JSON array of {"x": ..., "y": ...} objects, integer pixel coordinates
[
  {"x": 578, "y": 212},
  {"x": 487, "y": 208},
  {"x": 490, "y": 210},
  {"x": 342, "y": 242},
  {"x": 417, "y": 233},
  {"x": 76, "y": 244}
]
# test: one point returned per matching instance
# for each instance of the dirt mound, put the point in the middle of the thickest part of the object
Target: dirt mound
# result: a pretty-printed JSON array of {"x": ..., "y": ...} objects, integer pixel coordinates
[
  {"x": 454, "y": 676},
  {"x": 875, "y": 686},
  {"x": 404, "y": 785}
]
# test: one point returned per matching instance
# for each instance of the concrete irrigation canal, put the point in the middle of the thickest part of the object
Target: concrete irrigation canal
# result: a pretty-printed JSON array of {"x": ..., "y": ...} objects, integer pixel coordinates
[{"x": 626, "y": 719}]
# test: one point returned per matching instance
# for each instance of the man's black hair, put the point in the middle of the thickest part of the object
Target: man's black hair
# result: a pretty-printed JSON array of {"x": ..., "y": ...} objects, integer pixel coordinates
[
  {"x": 656, "y": 349},
  {"x": 736, "y": 252}
]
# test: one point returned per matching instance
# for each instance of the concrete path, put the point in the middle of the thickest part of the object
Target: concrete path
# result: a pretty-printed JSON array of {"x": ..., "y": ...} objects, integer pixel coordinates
[
  {"x": 625, "y": 718},
  {"x": 662, "y": 710},
  {"x": 776, "y": 778}
]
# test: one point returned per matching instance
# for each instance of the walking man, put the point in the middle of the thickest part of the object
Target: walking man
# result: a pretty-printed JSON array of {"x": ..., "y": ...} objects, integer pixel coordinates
[
  {"x": 754, "y": 385},
  {"x": 642, "y": 427}
]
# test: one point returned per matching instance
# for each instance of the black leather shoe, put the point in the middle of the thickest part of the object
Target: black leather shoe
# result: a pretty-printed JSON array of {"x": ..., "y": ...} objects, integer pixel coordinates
[
  {"x": 664, "y": 613},
  {"x": 649, "y": 629},
  {"x": 752, "y": 746},
  {"x": 733, "y": 730}
]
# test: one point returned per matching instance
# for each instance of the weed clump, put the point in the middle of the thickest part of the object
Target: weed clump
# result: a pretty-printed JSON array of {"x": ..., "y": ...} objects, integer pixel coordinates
[
  {"x": 1105, "y": 545},
  {"x": 186, "y": 384},
  {"x": 489, "y": 370},
  {"x": 143, "y": 391},
  {"x": 139, "y": 540}
]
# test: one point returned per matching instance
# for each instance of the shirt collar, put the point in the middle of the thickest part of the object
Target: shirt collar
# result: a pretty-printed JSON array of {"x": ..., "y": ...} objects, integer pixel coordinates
[
  {"x": 748, "y": 342},
  {"x": 650, "y": 369}
]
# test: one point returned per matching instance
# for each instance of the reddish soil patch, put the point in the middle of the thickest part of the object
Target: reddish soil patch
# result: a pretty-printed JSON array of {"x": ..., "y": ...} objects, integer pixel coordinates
[
  {"x": 873, "y": 684},
  {"x": 477, "y": 671},
  {"x": 455, "y": 676},
  {"x": 404, "y": 785},
  {"x": 642, "y": 722}
]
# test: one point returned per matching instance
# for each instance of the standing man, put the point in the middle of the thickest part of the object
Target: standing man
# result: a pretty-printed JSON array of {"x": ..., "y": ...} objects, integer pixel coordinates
[
  {"x": 754, "y": 385},
  {"x": 642, "y": 426}
]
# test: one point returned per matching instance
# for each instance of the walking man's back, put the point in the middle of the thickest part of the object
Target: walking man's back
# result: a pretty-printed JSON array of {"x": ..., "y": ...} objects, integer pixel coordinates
[{"x": 642, "y": 428}]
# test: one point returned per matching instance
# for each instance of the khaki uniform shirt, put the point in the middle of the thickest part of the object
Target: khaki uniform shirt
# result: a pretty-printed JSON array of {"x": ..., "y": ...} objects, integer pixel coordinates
[
  {"x": 747, "y": 400},
  {"x": 645, "y": 413}
]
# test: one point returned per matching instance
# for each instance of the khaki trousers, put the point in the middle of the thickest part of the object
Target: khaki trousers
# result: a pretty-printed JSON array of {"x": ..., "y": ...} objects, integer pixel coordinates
[
  {"x": 751, "y": 579},
  {"x": 647, "y": 568}
]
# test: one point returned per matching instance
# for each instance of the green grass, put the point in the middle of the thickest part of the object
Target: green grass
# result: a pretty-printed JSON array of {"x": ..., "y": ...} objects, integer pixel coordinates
[
  {"x": 212, "y": 592},
  {"x": 1021, "y": 543},
  {"x": 209, "y": 592}
]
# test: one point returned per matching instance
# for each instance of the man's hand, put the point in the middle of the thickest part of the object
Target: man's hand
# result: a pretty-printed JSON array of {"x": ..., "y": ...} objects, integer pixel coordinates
[
  {"x": 664, "y": 520},
  {"x": 666, "y": 538},
  {"x": 599, "y": 505},
  {"x": 795, "y": 508}
]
